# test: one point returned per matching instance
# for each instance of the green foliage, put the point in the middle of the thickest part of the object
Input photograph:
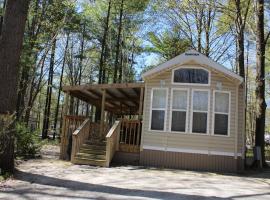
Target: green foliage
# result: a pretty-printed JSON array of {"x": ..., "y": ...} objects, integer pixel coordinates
[
  {"x": 168, "y": 44},
  {"x": 27, "y": 143}
]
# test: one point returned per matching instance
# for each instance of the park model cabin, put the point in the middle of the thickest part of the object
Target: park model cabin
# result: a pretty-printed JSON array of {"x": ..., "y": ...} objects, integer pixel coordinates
[{"x": 188, "y": 114}]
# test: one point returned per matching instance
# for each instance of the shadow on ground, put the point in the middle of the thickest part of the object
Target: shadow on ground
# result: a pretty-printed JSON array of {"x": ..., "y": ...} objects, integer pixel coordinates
[{"x": 105, "y": 191}]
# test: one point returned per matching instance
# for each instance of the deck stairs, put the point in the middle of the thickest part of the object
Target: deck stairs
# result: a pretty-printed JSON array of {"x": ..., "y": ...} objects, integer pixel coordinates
[{"x": 92, "y": 153}]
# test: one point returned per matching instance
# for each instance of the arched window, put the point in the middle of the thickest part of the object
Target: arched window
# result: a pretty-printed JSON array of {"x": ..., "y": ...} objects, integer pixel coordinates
[{"x": 191, "y": 76}]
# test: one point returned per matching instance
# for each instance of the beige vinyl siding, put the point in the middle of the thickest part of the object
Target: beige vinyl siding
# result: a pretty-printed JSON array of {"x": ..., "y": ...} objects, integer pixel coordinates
[{"x": 208, "y": 142}]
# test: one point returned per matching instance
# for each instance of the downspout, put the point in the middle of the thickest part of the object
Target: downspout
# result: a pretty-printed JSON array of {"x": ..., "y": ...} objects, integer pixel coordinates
[
  {"x": 236, "y": 123},
  {"x": 143, "y": 117}
]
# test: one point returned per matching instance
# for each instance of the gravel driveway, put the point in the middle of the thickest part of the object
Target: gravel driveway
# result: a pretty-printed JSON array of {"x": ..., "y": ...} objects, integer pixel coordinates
[{"x": 50, "y": 179}]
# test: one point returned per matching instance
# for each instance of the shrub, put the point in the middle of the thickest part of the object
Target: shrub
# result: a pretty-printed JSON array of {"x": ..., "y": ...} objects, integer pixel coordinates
[{"x": 27, "y": 142}]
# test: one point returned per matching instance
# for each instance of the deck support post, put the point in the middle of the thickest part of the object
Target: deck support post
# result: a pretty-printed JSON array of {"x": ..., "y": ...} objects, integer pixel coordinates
[
  {"x": 102, "y": 117},
  {"x": 64, "y": 135},
  {"x": 140, "y": 114}
]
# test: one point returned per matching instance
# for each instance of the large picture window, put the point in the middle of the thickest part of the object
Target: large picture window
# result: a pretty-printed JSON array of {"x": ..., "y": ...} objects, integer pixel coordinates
[
  {"x": 221, "y": 112},
  {"x": 158, "y": 109},
  {"x": 200, "y": 111},
  {"x": 179, "y": 110},
  {"x": 191, "y": 76}
]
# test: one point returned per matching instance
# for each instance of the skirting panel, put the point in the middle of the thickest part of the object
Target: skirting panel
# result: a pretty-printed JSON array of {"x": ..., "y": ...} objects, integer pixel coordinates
[
  {"x": 191, "y": 161},
  {"x": 126, "y": 158}
]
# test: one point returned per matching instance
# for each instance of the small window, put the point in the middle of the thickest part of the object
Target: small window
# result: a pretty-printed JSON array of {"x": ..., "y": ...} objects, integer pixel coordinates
[
  {"x": 200, "y": 111},
  {"x": 221, "y": 113},
  {"x": 179, "y": 110},
  {"x": 159, "y": 97},
  {"x": 191, "y": 76}
]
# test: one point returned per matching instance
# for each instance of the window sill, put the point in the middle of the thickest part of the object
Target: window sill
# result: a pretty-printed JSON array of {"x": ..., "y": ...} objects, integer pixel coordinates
[{"x": 216, "y": 135}]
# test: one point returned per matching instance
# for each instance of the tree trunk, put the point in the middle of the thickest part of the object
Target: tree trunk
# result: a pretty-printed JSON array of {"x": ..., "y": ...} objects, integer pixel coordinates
[
  {"x": 240, "y": 40},
  {"x": 60, "y": 88},
  {"x": 2, "y": 16},
  {"x": 260, "y": 78},
  {"x": 240, "y": 23},
  {"x": 80, "y": 66},
  {"x": 47, "y": 112},
  {"x": 118, "y": 42},
  {"x": 103, "y": 45},
  {"x": 102, "y": 55},
  {"x": 10, "y": 51}
]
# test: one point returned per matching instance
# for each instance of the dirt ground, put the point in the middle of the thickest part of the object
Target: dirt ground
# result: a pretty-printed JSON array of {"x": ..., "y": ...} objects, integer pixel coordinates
[{"x": 49, "y": 178}]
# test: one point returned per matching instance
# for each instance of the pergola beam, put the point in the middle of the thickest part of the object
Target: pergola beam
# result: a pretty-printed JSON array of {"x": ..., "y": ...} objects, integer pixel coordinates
[
  {"x": 117, "y": 98},
  {"x": 103, "y": 86},
  {"x": 127, "y": 96},
  {"x": 92, "y": 94}
]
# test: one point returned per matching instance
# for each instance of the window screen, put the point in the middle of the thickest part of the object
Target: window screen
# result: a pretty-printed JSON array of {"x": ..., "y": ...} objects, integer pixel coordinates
[
  {"x": 159, "y": 97},
  {"x": 200, "y": 111},
  {"x": 179, "y": 110},
  {"x": 186, "y": 75},
  {"x": 221, "y": 113}
]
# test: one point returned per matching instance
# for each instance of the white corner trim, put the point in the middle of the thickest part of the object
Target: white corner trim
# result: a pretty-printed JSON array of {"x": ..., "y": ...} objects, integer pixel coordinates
[{"x": 194, "y": 151}]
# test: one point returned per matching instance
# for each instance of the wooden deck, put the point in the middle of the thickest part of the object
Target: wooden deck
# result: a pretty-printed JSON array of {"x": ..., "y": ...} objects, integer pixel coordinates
[{"x": 84, "y": 144}]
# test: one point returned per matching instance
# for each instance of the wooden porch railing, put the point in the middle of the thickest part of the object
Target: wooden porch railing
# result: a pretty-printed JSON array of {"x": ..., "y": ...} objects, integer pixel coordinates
[
  {"x": 70, "y": 124},
  {"x": 79, "y": 136},
  {"x": 112, "y": 142},
  {"x": 130, "y": 135}
]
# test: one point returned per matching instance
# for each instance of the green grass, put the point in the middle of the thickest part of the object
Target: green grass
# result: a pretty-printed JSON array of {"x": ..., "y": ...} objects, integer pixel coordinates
[
  {"x": 4, "y": 176},
  {"x": 55, "y": 142}
]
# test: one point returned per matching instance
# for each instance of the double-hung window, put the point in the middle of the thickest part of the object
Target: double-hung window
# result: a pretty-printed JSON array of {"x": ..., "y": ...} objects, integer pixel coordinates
[
  {"x": 158, "y": 109},
  {"x": 200, "y": 99},
  {"x": 179, "y": 110},
  {"x": 221, "y": 112}
]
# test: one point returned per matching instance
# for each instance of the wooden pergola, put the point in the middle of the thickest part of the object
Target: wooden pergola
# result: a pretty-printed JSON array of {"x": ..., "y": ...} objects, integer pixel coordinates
[{"x": 118, "y": 98}]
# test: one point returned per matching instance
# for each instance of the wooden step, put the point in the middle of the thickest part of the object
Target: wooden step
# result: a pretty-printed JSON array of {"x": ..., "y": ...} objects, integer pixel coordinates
[
  {"x": 92, "y": 151},
  {"x": 99, "y": 143},
  {"x": 86, "y": 161},
  {"x": 91, "y": 156},
  {"x": 94, "y": 147}
]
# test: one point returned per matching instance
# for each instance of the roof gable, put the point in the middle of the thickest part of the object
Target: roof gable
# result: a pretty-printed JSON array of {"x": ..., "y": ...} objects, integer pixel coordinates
[{"x": 191, "y": 55}]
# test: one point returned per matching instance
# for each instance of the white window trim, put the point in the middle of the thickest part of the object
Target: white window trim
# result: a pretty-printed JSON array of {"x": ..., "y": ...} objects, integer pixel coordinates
[
  {"x": 171, "y": 110},
  {"x": 208, "y": 112},
  {"x": 229, "y": 114},
  {"x": 191, "y": 67},
  {"x": 165, "y": 109}
]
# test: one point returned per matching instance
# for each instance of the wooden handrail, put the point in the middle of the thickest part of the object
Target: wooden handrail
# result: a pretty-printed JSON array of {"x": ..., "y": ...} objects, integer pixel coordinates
[
  {"x": 78, "y": 130},
  {"x": 70, "y": 124},
  {"x": 112, "y": 142},
  {"x": 130, "y": 135},
  {"x": 79, "y": 136}
]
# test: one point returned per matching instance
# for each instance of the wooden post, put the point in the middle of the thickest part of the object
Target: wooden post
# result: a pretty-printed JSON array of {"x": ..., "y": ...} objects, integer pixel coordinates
[
  {"x": 102, "y": 114},
  {"x": 140, "y": 115},
  {"x": 64, "y": 139}
]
